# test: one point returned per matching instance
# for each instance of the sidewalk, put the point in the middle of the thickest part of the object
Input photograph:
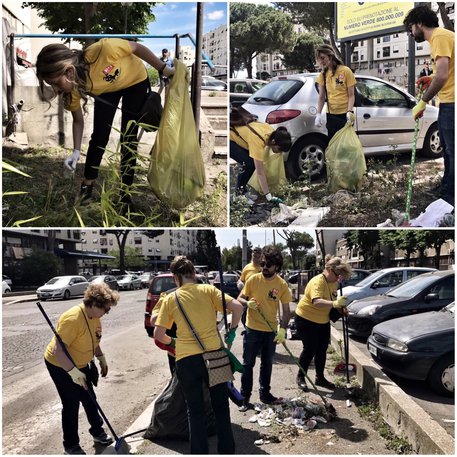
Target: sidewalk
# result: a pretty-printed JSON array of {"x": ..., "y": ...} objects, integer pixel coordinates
[{"x": 347, "y": 434}]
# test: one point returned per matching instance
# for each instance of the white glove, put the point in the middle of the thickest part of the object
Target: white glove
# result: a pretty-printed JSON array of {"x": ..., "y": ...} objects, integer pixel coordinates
[
  {"x": 239, "y": 284},
  {"x": 350, "y": 117},
  {"x": 168, "y": 71},
  {"x": 319, "y": 121},
  {"x": 103, "y": 365},
  {"x": 71, "y": 161},
  {"x": 78, "y": 377}
]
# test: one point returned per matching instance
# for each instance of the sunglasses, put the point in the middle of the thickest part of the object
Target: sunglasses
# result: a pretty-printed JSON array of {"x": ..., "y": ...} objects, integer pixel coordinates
[{"x": 266, "y": 264}]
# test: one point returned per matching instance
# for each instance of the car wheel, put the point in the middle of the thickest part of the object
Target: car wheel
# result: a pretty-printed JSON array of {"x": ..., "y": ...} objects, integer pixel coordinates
[
  {"x": 441, "y": 376},
  {"x": 66, "y": 295},
  {"x": 432, "y": 147},
  {"x": 307, "y": 157}
]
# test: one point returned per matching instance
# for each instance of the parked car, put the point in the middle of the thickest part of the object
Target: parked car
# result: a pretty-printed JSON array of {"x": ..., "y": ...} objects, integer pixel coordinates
[
  {"x": 427, "y": 292},
  {"x": 211, "y": 83},
  {"x": 6, "y": 289},
  {"x": 211, "y": 276},
  {"x": 419, "y": 347},
  {"x": 7, "y": 280},
  {"x": 146, "y": 279},
  {"x": 62, "y": 287},
  {"x": 381, "y": 281},
  {"x": 110, "y": 280},
  {"x": 129, "y": 282},
  {"x": 230, "y": 286},
  {"x": 242, "y": 89},
  {"x": 161, "y": 283},
  {"x": 384, "y": 122},
  {"x": 356, "y": 276}
]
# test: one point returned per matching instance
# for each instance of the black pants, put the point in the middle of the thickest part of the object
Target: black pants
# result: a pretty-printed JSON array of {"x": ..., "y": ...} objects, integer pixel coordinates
[
  {"x": 315, "y": 338},
  {"x": 193, "y": 377},
  {"x": 335, "y": 122},
  {"x": 241, "y": 156},
  {"x": 133, "y": 99},
  {"x": 71, "y": 396}
]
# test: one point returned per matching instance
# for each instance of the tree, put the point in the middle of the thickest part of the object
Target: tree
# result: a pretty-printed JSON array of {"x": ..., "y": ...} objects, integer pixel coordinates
[
  {"x": 232, "y": 258},
  {"x": 435, "y": 239},
  {"x": 406, "y": 240},
  {"x": 94, "y": 17},
  {"x": 132, "y": 258},
  {"x": 121, "y": 237},
  {"x": 298, "y": 244},
  {"x": 318, "y": 17},
  {"x": 39, "y": 267},
  {"x": 301, "y": 57},
  {"x": 367, "y": 243},
  {"x": 444, "y": 16},
  {"x": 207, "y": 250},
  {"x": 255, "y": 29}
]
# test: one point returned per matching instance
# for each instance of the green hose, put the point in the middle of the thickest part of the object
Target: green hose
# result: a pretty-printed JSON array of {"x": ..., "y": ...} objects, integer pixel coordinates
[{"x": 413, "y": 162}]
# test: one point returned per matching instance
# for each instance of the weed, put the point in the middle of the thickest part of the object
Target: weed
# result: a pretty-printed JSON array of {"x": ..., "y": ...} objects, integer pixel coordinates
[{"x": 239, "y": 209}]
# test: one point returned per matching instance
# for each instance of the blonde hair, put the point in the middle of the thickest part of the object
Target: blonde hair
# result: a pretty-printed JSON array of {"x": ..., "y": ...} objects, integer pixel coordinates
[
  {"x": 100, "y": 295},
  {"x": 338, "y": 266}
]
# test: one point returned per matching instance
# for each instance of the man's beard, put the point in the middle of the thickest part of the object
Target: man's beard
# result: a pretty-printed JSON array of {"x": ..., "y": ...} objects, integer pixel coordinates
[
  {"x": 267, "y": 273},
  {"x": 419, "y": 36}
]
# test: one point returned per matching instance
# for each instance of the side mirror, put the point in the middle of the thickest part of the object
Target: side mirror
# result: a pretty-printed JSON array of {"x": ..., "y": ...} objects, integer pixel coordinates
[
  {"x": 430, "y": 297},
  {"x": 376, "y": 285}
]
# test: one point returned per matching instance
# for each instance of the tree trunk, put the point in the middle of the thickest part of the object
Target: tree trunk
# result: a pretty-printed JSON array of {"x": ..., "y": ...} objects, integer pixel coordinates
[{"x": 89, "y": 12}]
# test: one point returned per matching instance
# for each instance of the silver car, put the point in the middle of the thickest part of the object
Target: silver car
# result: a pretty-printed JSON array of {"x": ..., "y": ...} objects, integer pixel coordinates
[
  {"x": 129, "y": 282},
  {"x": 62, "y": 287},
  {"x": 381, "y": 281},
  {"x": 384, "y": 122}
]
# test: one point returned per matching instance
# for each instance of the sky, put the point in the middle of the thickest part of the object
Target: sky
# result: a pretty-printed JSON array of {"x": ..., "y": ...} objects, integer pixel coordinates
[
  {"x": 180, "y": 18},
  {"x": 227, "y": 238}
]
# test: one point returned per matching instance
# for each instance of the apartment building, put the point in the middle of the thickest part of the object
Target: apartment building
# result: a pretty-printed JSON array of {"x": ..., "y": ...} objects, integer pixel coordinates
[{"x": 215, "y": 46}]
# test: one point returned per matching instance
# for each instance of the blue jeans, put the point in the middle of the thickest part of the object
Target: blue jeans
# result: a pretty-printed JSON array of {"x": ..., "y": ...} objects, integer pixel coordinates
[
  {"x": 255, "y": 341},
  {"x": 193, "y": 377},
  {"x": 447, "y": 138},
  {"x": 241, "y": 156}
]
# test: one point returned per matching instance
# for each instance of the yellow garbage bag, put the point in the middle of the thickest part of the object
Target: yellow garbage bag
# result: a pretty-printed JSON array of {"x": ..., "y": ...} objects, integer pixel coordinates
[
  {"x": 176, "y": 172},
  {"x": 275, "y": 173},
  {"x": 345, "y": 160}
]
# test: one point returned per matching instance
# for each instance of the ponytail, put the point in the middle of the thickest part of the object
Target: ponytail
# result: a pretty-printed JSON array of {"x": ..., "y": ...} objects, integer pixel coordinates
[{"x": 240, "y": 117}]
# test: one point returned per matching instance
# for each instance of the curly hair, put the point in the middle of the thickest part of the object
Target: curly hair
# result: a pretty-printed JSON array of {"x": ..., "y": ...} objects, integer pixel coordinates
[
  {"x": 421, "y": 15},
  {"x": 338, "y": 266},
  {"x": 100, "y": 295},
  {"x": 273, "y": 255}
]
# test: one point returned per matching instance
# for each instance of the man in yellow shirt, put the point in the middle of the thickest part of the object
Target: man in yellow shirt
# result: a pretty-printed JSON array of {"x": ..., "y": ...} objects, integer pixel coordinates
[
  {"x": 422, "y": 24},
  {"x": 262, "y": 294}
]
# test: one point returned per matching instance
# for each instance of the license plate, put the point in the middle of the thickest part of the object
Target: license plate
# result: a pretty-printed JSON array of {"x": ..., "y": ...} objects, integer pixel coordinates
[{"x": 373, "y": 350}]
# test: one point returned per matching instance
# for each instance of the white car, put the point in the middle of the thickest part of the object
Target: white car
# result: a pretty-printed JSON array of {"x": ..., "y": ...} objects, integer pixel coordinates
[
  {"x": 129, "y": 282},
  {"x": 62, "y": 287},
  {"x": 5, "y": 288},
  {"x": 381, "y": 281},
  {"x": 7, "y": 280}
]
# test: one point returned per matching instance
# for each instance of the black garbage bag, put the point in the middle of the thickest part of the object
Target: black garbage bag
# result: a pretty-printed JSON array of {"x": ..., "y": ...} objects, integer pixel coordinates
[{"x": 169, "y": 416}]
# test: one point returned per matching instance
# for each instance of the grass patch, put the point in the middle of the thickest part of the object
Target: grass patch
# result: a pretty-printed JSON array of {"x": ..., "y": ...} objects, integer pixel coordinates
[{"x": 44, "y": 194}]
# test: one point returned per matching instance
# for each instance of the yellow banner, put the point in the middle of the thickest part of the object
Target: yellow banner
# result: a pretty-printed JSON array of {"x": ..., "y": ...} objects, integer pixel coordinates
[{"x": 369, "y": 18}]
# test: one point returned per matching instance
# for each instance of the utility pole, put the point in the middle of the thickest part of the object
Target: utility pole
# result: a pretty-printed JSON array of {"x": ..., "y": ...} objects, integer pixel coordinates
[{"x": 244, "y": 249}]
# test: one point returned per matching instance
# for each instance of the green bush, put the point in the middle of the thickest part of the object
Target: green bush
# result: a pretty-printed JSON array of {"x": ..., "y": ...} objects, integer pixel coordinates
[{"x": 39, "y": 267}]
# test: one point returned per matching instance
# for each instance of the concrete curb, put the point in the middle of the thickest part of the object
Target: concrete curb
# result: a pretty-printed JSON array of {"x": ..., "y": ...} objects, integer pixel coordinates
[{"x": 403, "y": 415}]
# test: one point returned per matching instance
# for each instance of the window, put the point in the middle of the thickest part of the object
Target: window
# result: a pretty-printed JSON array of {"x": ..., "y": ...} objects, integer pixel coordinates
[
  {"x": 386, "y": 51},
  {"x": 378, "y": 40},
  {"x": 386, "y": 39},
  {"x": 445, "y": 289},
  {"x": 377, "y": 93},
  {"x": 355, "y": 56},
  {"x": 395, "y": 49},
  {"x": 378, "y": 54}
]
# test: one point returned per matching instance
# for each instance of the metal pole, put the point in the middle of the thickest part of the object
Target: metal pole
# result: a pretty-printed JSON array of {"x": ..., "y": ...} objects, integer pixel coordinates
[
  {"x": 10, "y": 93},
  {"x": 411, "y": 65},
  {"x": 197, "y": 80},
  {"x": 177, "y": 45}
]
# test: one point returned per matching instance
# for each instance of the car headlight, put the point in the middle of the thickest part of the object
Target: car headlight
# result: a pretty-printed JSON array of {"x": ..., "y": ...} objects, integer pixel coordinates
[
  {"x": 396, "y": 345},
  {"x": 368, "y": 310},
  {"x": 57, "y": 291}
]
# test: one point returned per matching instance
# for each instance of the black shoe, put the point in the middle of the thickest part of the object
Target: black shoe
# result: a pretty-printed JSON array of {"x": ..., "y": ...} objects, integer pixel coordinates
[
  {"x": 104, "y": 439},
  {"x": 86, "y": 192},
  {"x": 246, "y": 405},
  {"x": 301, "y": 383},
  {"x": 322, "y": 382},
  {"x": 74, "y": 450},
  {"x": 270, "y": 399}
]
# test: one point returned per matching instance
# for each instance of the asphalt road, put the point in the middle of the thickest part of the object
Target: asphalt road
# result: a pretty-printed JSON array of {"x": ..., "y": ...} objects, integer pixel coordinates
[{"x": 440, "y": 408}]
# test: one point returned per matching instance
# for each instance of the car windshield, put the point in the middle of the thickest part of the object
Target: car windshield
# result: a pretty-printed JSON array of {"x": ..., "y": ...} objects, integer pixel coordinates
[
  {"x": 276, "y": 92},
  {"x": 58, "y": 281},
  {"x": 412, "y": 287},
  {"x": 160, "y": 285},
  {"x": 371, "y": 278}
]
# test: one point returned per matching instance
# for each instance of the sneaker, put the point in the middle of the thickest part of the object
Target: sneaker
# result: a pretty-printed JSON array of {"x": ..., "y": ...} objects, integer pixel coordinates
[
  {"x": 245, "y": 405},
  {"x": 86, "y": 192},
  {"x": 74, "y": 450},
  {"x": 301, "y": 383},
  {"x": 104, "y": 439},
  {"x": 322, "y": 382},
  {"x": 270, "y": 399}
]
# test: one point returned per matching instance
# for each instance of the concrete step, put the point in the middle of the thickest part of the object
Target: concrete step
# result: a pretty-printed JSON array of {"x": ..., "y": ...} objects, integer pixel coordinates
[
  {"x": 220, "y": 152},
  {"x": 218, "y": 122},
  {"x": 215, "y": 110},
  {"x": 220, "y": 137}
]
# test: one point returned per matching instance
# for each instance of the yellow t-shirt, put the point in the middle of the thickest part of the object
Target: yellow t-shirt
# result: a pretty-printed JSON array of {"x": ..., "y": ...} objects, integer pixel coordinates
[
  {"x": 247, "y": 139},
  {"x": 442, "y": 45},
  {"x": 112, "y": 67},
  {"x": 200, "y": 302},
  {"x": 337, "y": 88},
  {"x": 317, "y": 287},
  {"x": 74, "y": 332},
  {"x": 269, "y": 293},
  {"x": 249, "y": 270}
]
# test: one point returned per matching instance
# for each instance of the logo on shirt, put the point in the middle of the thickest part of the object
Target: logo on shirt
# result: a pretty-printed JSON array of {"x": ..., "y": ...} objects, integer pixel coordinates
[
  {"x": 340, "y": 79},
  {"x": 108, "y": 77},
  {"x": 273, "y": 294},
  {"x": 334, "y": 295}
]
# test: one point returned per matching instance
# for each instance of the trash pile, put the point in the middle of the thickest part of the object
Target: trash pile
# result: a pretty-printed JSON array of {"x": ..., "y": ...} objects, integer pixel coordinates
[{"x": 297, "y": 415}]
